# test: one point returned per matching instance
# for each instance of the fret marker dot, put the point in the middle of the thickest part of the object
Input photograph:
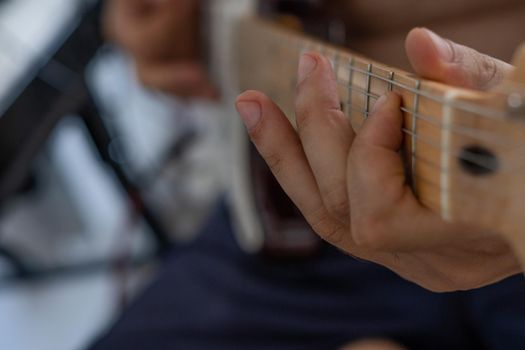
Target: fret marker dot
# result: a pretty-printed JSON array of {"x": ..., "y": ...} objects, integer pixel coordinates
[{"x": 478, "y": 161}]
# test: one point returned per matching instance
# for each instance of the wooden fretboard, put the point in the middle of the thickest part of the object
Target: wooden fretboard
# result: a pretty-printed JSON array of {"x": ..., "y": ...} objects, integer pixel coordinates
[{"x": 460, "y": 145}]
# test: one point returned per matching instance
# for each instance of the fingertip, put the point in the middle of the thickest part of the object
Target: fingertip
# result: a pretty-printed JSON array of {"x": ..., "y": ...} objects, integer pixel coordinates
[
  {"x": 251, "y": 95},
  {"x": 383, "y": 127},
  {"x": 388, "y": 101},
  {"x": 307, "y": 64},
  {"x": 313, "y": 55},
  {"x": 427, "y": 52},
  {"x": 250, "y": 112},
  {"x": 311, "y": 63}
]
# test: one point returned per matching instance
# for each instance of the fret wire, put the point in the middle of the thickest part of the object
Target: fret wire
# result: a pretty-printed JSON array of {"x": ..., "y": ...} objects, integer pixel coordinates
[
  {"x": 457, "y": 104},
  {"x": 414, "y": 131},
  {"x": 460, "y": 130},
  {"x": 461, "y": 105},
  {"x": 368, "y": 86},
  {"x": 466, "y": 106},
  {"x": 394, "y": 83},
  {"x": 391, "y": 79},
  {"x": 465, "y": 131},
  {"x": 440, "y": 170},
  {"x": 468, "y": 156},
  {"x": 358, "y": 89}
]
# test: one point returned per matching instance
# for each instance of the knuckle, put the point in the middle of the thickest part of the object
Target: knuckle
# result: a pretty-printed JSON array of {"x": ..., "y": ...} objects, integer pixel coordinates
[
  {"x": 487, "y": 71},
  {"x": 335, "y": 235},
  {"x": 336, "y": 200},
  {"x": 325, "y": 107},
  {"x": 457, "y": 280},
  {"x": 318, "y": 219},
  {"x": 303, "y": 116},
  {"x": 325, "y": 227},
  {"x": 456, "y": 53},
  {"x": 369, "y": 232},
  {"x": 335, "y": 116}
]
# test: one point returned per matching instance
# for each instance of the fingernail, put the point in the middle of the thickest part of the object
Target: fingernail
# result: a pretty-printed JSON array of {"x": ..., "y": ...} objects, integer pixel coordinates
[
  {"x": 442, "y": 46},
  {"x": 379, "y": 103},
  {"x": 307, "y": 65},
  {"x": 250, "y": 113}
]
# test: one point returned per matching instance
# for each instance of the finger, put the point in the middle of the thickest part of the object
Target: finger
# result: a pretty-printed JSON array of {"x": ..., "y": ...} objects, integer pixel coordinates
[
  {"x": 325, "y": 132},
  {"x": 376, "y": 171},
  {"x": 443, "y": 60},
  {"x": 279, "y": 145},
  {"x": 385, "y": 214},
  {"x": 186, "y": 79}
]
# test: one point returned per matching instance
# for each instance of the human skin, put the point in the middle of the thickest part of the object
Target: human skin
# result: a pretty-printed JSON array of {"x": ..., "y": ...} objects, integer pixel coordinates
[
  {"x": 182, "y": 75},
  {"x": 365, "y": 207},
  {"x": 156, "y": 33},
  {"x": 163, "y": 38},
  {"x": 378, "y": 28},
  {"x": 162, "y": 35}
]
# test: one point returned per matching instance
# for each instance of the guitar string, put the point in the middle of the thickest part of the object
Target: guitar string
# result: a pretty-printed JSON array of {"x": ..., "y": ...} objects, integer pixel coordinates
[
  {"x": 461, "y": 182},
  {"x": 466, "y": 155},
  {"x": 475, "y": 157},
  {"x": 462, "y": 130},
  {"x": 472, "y": 157},
  {"x": 485, "y": 162},
  {"x": 305, "y": 44},
  {"x": 469, "y": 156},
  {"x": 487, "y": 112},
  {"x": 470, "y": 132}
]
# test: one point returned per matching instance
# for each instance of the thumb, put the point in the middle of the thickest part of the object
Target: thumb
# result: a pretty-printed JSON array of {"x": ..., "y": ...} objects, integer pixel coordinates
[{"x": 443, "y": 60}]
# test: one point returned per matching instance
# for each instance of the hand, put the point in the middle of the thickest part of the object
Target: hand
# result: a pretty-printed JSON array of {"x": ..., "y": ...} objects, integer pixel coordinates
[
  {"x": 163, "y": 38},
  {"x": 352, "y": 189}
]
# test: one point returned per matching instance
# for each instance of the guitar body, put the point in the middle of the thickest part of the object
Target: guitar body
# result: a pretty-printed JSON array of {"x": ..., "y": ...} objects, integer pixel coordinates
[
  {"x": 221, "y": 17},
  {"x": 462, "y": 147},
  {"x": 265, "y": 220}
]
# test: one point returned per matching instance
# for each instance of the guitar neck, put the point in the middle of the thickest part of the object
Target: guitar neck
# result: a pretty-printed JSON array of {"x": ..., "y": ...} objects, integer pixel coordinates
[{"x": 457, "y": 141}]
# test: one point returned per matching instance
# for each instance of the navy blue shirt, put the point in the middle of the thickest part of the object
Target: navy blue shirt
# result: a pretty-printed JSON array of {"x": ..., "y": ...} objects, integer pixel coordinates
[{"x": 212, "y": 295}]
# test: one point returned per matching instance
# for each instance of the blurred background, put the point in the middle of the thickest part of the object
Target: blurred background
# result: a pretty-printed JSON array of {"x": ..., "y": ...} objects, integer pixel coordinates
[
  {"x": 100, "y": 176},
  {"x": 97, "y": 175}
]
